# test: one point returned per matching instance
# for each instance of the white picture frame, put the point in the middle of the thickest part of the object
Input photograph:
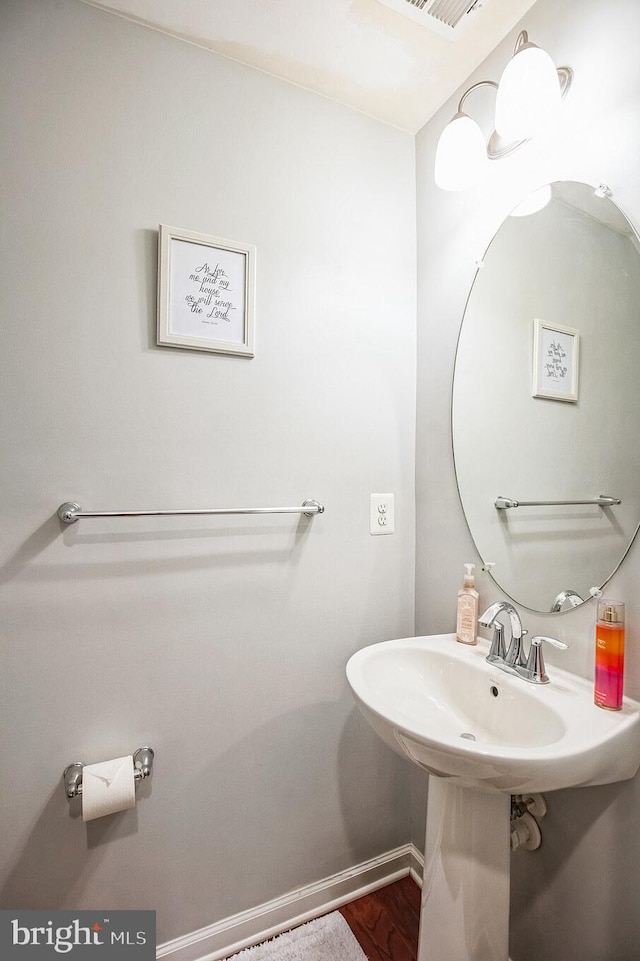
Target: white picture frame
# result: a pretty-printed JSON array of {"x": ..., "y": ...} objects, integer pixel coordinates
[
  {"x": 555, "y": 361},
  {"x": 206, "y": 292}
]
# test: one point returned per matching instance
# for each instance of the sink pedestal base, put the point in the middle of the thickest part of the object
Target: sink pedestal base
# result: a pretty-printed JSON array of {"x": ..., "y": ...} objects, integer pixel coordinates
[{"x": 465, "y": 891}]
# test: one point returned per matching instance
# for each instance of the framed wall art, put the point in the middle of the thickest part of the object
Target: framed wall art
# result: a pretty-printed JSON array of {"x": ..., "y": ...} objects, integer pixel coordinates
[
  {"x": 555, "y": 361},
  {"x": 206, "y": 291}
]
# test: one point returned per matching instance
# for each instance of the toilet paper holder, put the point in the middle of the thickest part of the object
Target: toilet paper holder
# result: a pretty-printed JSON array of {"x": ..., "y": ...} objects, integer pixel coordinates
[{"x": 142, "y": 768}]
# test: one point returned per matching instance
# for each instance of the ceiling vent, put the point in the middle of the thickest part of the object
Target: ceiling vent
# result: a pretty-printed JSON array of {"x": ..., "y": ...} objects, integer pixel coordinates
[{"x": 449, "y": 18}]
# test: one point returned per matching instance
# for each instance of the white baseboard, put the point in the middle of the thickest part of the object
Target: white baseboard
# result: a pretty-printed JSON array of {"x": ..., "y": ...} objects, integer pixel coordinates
[{"x": 226, "y": 937}]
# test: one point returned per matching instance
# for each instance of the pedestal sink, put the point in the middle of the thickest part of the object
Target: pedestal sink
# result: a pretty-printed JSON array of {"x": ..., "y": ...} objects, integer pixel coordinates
[{"x": 483, "y": 735}]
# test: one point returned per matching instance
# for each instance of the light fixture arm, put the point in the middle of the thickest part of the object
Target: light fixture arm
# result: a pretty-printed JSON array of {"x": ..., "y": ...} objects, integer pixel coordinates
[
  {"x": 497, "y": 148},
  {"x": 480, "y": 83}
]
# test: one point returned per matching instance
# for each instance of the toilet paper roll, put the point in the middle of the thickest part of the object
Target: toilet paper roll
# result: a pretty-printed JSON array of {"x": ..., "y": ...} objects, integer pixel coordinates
[{"x": 108, "y": 787}]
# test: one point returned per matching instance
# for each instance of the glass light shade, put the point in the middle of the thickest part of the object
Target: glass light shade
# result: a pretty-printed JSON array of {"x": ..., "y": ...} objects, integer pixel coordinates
[
  {"x": 528, "y": 98},
  {"x": 461, "y": 155},
  {"x": 533, "y": 203}
]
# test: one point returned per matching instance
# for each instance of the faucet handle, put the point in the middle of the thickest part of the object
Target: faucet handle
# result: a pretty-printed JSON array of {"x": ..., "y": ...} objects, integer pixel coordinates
[
  {"x": 497, "y": 651},
  {"x": 539, "y": 638},
  {"x": 534, "y": 670}
]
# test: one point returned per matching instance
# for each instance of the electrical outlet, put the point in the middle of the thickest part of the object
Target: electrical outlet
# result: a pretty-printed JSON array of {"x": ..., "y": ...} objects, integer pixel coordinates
[{"x": 381, "y": 514}]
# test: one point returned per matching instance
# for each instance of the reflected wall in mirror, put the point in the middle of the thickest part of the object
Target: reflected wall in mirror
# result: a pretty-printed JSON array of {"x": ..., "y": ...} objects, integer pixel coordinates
[{"x": 574, "y": 264}]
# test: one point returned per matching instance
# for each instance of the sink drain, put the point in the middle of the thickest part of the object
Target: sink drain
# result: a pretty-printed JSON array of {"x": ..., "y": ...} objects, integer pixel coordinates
[{"x": 469, "y": 737}]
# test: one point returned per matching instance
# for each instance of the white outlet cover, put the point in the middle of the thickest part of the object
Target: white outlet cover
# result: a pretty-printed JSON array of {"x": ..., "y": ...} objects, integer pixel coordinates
[{"x": 381, "y": 514}]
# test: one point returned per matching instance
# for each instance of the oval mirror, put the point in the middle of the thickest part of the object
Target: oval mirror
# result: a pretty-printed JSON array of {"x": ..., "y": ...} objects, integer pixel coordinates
[{"x": 546, "y": 398}]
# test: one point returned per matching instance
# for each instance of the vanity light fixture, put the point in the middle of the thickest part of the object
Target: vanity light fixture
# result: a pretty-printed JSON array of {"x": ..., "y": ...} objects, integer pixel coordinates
[
  {"x": 461, "y": 155},
  {"x": 527, "y": 102},
  {"x": 529, "y": 95}
]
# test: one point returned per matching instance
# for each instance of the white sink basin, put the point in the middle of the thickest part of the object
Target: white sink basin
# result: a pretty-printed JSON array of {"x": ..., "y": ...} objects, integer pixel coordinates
[{"x": 456, "y": 716}]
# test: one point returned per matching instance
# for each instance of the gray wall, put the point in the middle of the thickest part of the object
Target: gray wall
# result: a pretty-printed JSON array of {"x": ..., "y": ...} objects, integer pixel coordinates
[
  {"x": 577, "y": 897},
  {"x": 220, "y": 642}
]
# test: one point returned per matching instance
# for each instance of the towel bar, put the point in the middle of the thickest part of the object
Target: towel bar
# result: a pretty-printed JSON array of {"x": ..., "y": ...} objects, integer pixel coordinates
[
  {"x": 602, "y": 500},
  {"x": 70, "y": 512}
]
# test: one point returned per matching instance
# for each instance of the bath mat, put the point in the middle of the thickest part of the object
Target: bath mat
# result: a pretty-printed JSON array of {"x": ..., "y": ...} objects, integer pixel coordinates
[{"x": 326, "y": 939}]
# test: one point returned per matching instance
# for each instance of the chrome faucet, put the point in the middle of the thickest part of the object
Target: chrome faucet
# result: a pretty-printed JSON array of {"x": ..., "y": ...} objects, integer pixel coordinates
[
  {"x": 514, "y": 661},
  {"x": 515, "y": 654},
  {"x": 565, "y": 600}
]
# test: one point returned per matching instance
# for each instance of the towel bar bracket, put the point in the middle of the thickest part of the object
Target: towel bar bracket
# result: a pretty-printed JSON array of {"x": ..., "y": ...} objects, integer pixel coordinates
[{"x": 68, "y": 512}]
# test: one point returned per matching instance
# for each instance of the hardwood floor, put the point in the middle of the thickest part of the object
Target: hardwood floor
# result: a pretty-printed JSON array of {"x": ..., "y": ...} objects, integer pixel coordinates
[{"x": 386, "y": 921}]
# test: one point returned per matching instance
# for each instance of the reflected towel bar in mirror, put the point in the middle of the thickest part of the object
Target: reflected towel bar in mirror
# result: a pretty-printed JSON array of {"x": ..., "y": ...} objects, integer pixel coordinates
[
  {"x": 70, "y": 512},
  {"x": 602, "y": 500}
]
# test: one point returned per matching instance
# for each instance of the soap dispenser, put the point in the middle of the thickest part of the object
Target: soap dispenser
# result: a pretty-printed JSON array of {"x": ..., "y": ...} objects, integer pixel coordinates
[{"x": 467, "y": 618}]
